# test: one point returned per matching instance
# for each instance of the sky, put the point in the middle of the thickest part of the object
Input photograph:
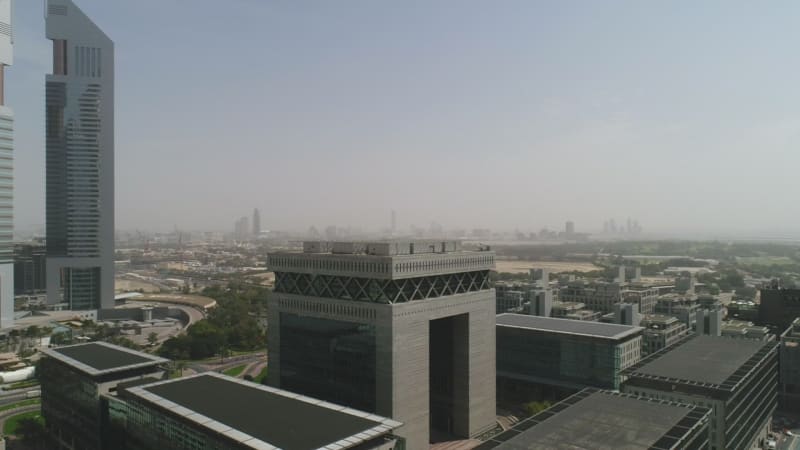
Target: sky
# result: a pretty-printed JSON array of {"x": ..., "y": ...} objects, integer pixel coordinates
[{"x": 507, "y": 114}]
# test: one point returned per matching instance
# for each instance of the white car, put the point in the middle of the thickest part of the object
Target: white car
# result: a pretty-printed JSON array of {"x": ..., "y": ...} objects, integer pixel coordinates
[{"x": 772, "y": 444}]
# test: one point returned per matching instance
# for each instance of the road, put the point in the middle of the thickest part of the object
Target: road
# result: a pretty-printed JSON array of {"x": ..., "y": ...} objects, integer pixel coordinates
[{"x": 790, "y": 442}]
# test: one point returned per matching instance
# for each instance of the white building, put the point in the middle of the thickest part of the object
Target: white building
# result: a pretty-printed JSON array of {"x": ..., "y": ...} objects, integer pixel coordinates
[{"x": 6, "y": 173}]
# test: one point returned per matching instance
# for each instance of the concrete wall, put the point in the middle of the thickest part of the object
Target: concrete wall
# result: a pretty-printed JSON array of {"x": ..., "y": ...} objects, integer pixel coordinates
[
  {"x": 402, "y": 356},
  {"x": 475, "y": 407}
]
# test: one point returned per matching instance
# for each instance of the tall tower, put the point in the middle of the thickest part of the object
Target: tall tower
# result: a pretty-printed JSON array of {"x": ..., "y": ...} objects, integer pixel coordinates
[
  {"x": 79, "y": 160},
  {"x": 256, "y": 223},
  {"x": 403, "y": 329},
  {"x": 6, "y": 173}
]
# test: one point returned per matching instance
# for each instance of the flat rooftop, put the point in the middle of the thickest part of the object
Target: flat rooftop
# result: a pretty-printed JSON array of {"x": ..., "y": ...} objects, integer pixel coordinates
[
  {"x": 602, "y": 420},
  {"x": 567, "y": 326},
  {"x": 100, "y": 358},
  {"x": 702, "y": 359},
  {"x": 262, "y": 417}
]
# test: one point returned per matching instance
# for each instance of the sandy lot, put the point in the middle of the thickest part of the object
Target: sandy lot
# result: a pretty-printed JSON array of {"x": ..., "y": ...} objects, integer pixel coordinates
[
  {"x": 552, "y": 266},
  {"x": 121, "y": 285}
]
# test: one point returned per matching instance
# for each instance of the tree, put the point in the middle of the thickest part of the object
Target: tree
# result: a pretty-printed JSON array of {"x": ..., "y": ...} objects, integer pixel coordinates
[
  {"x": 533, "y": 408},
  {"x": 33, "y": 434},
  {"x": 152, "y": 338}
]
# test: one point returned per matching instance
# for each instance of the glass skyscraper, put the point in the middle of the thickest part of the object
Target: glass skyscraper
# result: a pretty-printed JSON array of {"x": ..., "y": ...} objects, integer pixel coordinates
[
  {"x": 6, "y": 174},
  {"x": 79, "y": 160}
]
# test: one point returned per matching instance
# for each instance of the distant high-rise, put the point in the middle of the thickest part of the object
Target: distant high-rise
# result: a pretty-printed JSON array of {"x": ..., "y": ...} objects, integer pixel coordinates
[
  {"x": 394, "y": 222},
  {"x": 256, "y": 222},
  {"x": 569, "y": 229},
  {"x": 79, "y": 160},
  {"x": 6, "y": 174},
  {"x": 241, "y": 229}
]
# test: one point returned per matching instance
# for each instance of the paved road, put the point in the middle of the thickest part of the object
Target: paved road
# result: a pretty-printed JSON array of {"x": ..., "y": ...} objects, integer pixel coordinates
[{"x": 790, "y": 442}]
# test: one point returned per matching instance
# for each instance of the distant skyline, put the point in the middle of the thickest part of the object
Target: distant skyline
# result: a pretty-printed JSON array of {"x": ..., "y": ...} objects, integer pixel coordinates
[{"x": 470, "y": 114}]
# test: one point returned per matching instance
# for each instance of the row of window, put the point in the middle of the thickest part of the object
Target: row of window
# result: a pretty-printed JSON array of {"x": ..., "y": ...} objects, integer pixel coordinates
[{"x": 379, "y": 267}]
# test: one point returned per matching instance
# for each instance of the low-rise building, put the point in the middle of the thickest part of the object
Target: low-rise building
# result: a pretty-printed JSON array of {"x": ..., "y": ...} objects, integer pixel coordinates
[
  {"x": 510, "y": 297},
  {"x": 744, "y": 330},
  {"x": 736, "y": 378},
  {"x": 602, "y": 296},
  {"x": 75, "y": 378},
  {"x": 565, "y": 352},
  {"x": 661, "y": 331},
  {"x": 564, "y": 309},
  {"x": 789, "y": 398},
  {"x": 593, "y": 419},
  {"x": 680, "y": 306},
  {"x": 215, "y": 411}
]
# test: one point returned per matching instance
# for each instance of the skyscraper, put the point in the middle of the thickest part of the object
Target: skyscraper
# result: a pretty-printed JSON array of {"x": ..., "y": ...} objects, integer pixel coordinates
[
  {"x": 400, "y": 329},
  {"x": 256, "y": 223},
  {"x": 79, "y": 160},
  {"x": 6, "y": 174}
]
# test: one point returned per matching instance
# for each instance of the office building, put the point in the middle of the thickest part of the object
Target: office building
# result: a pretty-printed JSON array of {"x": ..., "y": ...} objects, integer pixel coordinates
[
  {"x": 660, "y": 332},
  {"x": 603, "y": 420},
  {"x": 511, "y": 297},
  {"x": 736, "y": 378},
  {"x": 745, "y": 310},
  {"x": 29, "y": 269},
  {"x": 215, "y": 411},
  {"x": 562, "y": 352},
  {"x": 709, "y": 321},
  {"x": 241, "y": 229},
  {"x": 6, "y": 172},
  {"x": 541, "y": 301},
  {"x": 779, "y": 306},
  {"x": 79, "y": 116},
  {"x": 401, "y": 329},
  {"x": 74, "y": 379},
  {"x": 602, "y": 296},
  {"x": 256, "y": 222},
  {"x": 744, "y": 330},
  {"x": 789, "y": 396},
  {"x": 627, "y": 314},
  {"x": 682, "y": 307}
]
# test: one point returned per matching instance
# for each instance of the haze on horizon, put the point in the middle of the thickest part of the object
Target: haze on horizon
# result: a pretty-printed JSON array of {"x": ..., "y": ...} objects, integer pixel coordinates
[{"x": 507, "y": 115}]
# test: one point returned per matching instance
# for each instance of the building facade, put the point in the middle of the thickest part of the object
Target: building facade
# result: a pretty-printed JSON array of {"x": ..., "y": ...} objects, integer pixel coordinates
[
  {"x": 660, "y": 332},
  {"x": 736, "y": 378},
  {"x": 6, "y": 172},
  {"x": 215, "y": 411},
  {"x": 401, "y": 329},
  {"x": 30, "y": 269},
  {"x": 779, "y": 307},
  {"x": 789, "y": 399},
  {"x": 602, "y": 296},
  {"x": 565, "y": 352},
  {"x": 79, "y": 161},
  {"x": 594, "y": 419},
  {"x": 74, "y": 379}
]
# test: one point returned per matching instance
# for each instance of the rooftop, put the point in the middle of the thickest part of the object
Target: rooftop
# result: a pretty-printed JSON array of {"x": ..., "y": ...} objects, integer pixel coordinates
[
  {"x": 262, "y": 417},
  {"x": 100, "y": 358},
  {"x": 382, "y": 248},
  {"x": 567, "y": 326},
  {"x": 593, "y": 419},
  {"x": 701, "y": 359}
]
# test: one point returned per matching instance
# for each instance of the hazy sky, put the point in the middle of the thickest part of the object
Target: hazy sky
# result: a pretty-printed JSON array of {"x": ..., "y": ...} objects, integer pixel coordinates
[{"x": 504, "y": 114}]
